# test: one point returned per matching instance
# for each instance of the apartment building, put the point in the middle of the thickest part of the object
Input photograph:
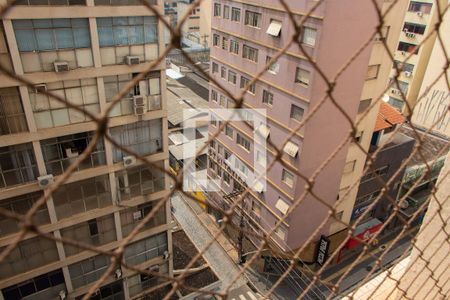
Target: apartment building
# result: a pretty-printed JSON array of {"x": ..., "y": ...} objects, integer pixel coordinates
[
  {"x": 85, "y": 51},
  {"x": 413, "y": 51},
  {"x": 432, "y": 111},
  {"x": 246, "y": 35}
]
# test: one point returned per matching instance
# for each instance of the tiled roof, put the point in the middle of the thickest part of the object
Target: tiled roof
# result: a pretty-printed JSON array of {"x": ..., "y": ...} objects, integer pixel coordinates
[{"x": 387, "y": 117}]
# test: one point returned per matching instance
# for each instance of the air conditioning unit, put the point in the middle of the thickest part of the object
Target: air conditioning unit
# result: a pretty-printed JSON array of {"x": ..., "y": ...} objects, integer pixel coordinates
[
  {"x": 45, "y": 180},
  {"x": 408, "y": 74},
  {"x": 420, "y": 14},
  {"x": 395, "y": 91},
  {"x": 154, "y": 268},
  {"x": 40, "y": 88},
  {"x": 139, "y": 110},
  {"x": 118, "y": 273},
  {"x": 132, "y": 60},
  {"x": 62, "y": 295},
  {"x": 61, "y": 66},
  {"x": 138, "y": 101},
  {"x": 137, "y": 215},
  {"x": 166, "y": 255},
  {"x": 129, "y": 161}
]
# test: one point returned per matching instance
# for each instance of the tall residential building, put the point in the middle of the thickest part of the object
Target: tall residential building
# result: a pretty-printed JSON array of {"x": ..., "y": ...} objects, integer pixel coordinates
[
  {"x": 431, "y": 112},
  {"x": 198, "y": 24},
  {"x": 85, "y": 52},
  {"x": 416, "y": 40},
  {"x": 245, "y": 35}
]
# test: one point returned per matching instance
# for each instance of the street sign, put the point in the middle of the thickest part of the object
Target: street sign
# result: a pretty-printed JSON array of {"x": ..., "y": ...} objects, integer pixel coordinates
[{"x": 322, "y": 250}]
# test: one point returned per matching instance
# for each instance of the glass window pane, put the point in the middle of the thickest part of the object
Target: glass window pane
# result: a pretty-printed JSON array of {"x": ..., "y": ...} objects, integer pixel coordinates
[
  {"x": 64, "y": 38},
  {"x": 106, "y": 37},
  {"x": 25, "y": 40},
  {"x": 121, "y": 35},
  {"x": 44, "y": 39},
  {"x": 136, "y": 35}
]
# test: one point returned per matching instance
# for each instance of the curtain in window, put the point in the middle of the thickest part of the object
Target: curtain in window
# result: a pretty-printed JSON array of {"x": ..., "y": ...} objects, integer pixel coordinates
[
  {"x": 64, "y": 38},
  {"x": 136, "y": 35},
  {"x": 25, "y": 40},
  {"x": 106, "y": 37}
]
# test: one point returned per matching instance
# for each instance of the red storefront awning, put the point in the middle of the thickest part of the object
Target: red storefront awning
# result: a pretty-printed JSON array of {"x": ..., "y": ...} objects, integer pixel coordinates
[{"x": 364, "y": 232}]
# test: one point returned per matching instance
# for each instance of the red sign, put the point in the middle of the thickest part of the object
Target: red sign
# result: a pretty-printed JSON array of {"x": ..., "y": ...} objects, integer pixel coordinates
[{"x": 365, "y": 235}]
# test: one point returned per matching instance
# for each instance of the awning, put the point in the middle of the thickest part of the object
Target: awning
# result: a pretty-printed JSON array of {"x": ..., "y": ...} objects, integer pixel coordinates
[
  {"x": 178, "y": 138},
  {"x": 274, "y": 28},
  {"x": 263, "y": 130},
  {"x": 282, "y": 206},
  {"x": 291, "y": 149},
  {"x": 178, "y": 153},
  {"x": 259, "y": 187}
]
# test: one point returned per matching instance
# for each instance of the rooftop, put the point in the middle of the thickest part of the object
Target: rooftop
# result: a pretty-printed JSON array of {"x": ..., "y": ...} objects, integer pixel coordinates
[
  {"x": 180, "y": 97},
  {"x": 387, "y": 117},
  {"x": 431, "y": 145}
]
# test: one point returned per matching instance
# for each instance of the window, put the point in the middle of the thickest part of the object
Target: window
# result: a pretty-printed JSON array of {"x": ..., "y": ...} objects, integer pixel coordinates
[
  {"x": 406, "y": 47},
  {"x": 372, "y": 72},
  {"x": 226, "y": 154},
  {"x": 81, "y": 196},
  {"x": 224, "y": 43},
  {"x": 367, "y": 198},
  {"x": 414, "y": 28},
  {"x": 375, "y": 173},
  {"x": 51, "y": 34},
  {"x": 35, "y": 285},
  {"x": 223, "y": 72},
  {"x": 217, "y": 9},
  {"x": 215, "y": 67},
  {"x": 403, "y": 66},
  {"x": 89, "y": 270},
  {"x": 234, "y": 47},
  {"x": 244, "y": 82},
  {"x": 213, "y": 95},
  {"x": 216, "y": 40},
  {"x": 281, "y": 233},
  {"x": 363, "y": 105},
  {"x": 287, "y": 178},
  {"x": 349, "y": 166},
  {"x": 21, "y": 205},
  {"x": 384, "y": 34},
  {"x": 250, "y": 53},
  {"x": 358, "y": 136},
  {"x": 309, "y": 36},
  {"x": 267, "y": 97},
  {"x": 93, "y": 227},
  {"x": 260, "y": 158},
  {"x": 17, "y": 165},
  {"x": 226, "y": 178},
  {"x": 420, "y": 7},
  {"x": 302, "y": 76},
  {"x": 222, "y": 100},
  {"x": 235, "y": 14},
  {"x": 51, "y": 2},
  {"x": 49, "y": 113},
  {"x": 274, "y": 67},
  {"x": 139, "y": 181},
  {"x": 243, "y": 141},
  {"x": 120, "y": 31},
  {"x": 232, "y": 77},
  {"x": 142, "y": 137},
  {"x": 226, "y": 12},
  {"x": 252, "y": 19},
  {"x": 228, "y": 131},
  {"x": 403, "y": 86},
  {"x": 398, "y": 104},
  {"x": 12, "y": 116},
  {"x": 60, "y": 152},
  {"x": 297, "y": 112},
  {"x": 241, "y": 167}
]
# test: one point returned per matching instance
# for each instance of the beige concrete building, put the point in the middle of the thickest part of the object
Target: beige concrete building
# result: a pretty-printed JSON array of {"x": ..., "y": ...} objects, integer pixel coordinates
[
  {"x": 198, "y": 25},
  {"x": 378, "y": 71},
  {"x": 419, "y": 22},
  {"x": 432, "y": 110},
  {"x": 84, "y": 51}
]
